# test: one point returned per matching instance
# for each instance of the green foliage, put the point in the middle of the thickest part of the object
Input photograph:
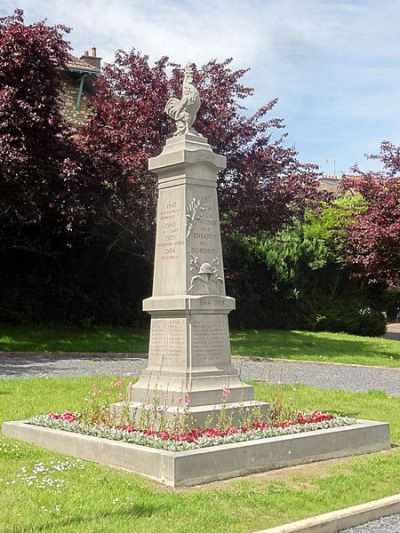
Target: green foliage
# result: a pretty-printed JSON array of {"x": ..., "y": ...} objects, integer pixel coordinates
[
  {"x": 79, "y": 285},
  {"x": 340, "y": 316},
  {"x": 298, "y": 278},
  {"x": 313, "y": 242}
]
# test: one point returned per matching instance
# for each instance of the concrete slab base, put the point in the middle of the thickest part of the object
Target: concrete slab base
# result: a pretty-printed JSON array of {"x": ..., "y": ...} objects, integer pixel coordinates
[
  {"x": 343, "y": 518},
  {"x": 195, "y": 467}
]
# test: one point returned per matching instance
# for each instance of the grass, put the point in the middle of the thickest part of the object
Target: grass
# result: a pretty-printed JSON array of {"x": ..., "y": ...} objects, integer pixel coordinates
[
  {"x": 296, "y": 345},
  {"x": 73, "y": 339},
  {"x": 100, "y": 499},
  {"x": 317, "y": 346}
]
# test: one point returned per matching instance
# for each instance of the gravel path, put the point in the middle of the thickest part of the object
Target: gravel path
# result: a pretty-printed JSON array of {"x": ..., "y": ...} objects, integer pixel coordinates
[
  {"x": 388, "y": 524},
  {"x": 329, "y": 376}
]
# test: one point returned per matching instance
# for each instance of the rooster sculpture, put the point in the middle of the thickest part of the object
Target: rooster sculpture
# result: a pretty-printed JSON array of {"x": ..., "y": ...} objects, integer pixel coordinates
[{"x": 184, "y": 111}]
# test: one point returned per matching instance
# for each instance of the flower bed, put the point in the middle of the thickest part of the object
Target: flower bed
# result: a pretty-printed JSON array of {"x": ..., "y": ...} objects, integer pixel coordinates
[{"x": 195, "y": 438}]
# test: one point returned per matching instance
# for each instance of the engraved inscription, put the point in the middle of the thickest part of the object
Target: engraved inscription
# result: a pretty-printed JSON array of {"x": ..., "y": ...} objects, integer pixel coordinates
[
  {"x": 210, "y": 339},
  {"x": 208, "y": 301},
  {"x": 204, "y": 236},
  {"x": 202, "y": 224},
  {"x": 203, "y": 251},
  {"x": 169, "y": 238},
  {"x": 167, "y": 339}
]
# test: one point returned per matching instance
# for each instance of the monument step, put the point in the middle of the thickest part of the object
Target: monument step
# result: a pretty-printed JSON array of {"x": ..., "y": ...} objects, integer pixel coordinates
[
  {"x": 202, "y": 415},
  {"x": 204, "y": 392}
]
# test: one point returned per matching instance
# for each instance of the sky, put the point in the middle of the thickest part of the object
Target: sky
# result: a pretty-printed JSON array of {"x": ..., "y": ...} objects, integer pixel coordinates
[{"x": 334, "y": 65}]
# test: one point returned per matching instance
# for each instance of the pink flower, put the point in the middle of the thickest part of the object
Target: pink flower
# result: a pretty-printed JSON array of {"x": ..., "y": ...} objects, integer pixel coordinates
[
  {"x": 225, "y": 393},
  {"x": 188, "y": 401}
]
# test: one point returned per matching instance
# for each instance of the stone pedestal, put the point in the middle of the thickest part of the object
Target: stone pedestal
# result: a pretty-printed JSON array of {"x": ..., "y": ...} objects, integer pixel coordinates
[{"x": 189, "y": 352}]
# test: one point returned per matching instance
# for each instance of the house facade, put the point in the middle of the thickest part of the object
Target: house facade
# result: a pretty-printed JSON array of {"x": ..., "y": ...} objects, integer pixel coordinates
[{"x": 77, "y": 77}]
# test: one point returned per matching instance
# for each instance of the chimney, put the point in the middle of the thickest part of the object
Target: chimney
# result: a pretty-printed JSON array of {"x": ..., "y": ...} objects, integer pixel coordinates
[{"x": 92, "y": 58}]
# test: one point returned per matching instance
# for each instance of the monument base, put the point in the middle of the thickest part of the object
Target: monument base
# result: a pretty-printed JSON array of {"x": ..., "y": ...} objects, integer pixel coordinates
[
  {"x": 200, "y": 415},
  {"x": 204, "y": 465}
]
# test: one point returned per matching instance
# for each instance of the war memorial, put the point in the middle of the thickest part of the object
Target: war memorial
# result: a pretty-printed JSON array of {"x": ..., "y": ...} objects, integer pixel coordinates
[{"x": 189, "y": 365}]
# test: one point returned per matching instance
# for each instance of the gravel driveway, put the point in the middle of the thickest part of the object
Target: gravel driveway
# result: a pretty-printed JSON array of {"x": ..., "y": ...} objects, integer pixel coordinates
[
  {"x": 388, "y": 524},
  {"x": 329, "y": 376}
]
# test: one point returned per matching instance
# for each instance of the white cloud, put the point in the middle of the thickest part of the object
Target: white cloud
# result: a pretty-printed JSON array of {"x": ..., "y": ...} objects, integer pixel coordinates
[
  {"x": 329, "y": 61},
  {"x": 190, "y": 30}
]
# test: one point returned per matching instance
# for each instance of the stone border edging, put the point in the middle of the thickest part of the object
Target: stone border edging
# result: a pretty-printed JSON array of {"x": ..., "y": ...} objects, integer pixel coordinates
[
  {"x": 212, "y": 463},
  {"x": 343, "y": 518}
]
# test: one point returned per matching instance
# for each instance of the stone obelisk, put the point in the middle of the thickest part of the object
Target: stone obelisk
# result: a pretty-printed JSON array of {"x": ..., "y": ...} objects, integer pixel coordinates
[{"x": 189, "y": 354}]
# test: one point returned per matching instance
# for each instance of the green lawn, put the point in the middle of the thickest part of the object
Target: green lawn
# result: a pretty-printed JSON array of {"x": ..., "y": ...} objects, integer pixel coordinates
[
  {"x": 73, "y": 339},
  {"x": 317, "y": 346},
  {"x": 299, "y": 345},
  {"x": 84, "y": 497}
]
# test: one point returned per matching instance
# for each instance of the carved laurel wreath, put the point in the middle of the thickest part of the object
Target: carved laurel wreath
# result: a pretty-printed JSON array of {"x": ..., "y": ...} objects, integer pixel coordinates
[{"x": 195, "y": 211}]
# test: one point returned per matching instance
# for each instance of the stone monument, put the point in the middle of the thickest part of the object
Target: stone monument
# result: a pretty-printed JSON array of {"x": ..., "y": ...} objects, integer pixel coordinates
[
  {"x": 189, "y": 364},
  {"x": 189, "y": 368}
]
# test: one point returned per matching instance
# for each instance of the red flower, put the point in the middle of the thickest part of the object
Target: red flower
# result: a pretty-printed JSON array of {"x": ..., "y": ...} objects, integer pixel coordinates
[
  {"x": 185, "y": 437},
  {"x": 300, "y": 419},
  {"x": 315, "y": 417},
  {"x": 196, "y": 433},
  {"x": 126, "y": 427},
  {"x": 210, "y": 432},
  {"x": 284, "y": 424},
  {"x": 67, "y": 416},
  {"x": 260, "y": 424}
]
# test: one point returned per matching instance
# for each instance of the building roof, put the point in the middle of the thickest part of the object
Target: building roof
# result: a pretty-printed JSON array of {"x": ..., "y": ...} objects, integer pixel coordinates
[
  {"x": 330, "y": 184},
  {"x": 80, "y": 65}
]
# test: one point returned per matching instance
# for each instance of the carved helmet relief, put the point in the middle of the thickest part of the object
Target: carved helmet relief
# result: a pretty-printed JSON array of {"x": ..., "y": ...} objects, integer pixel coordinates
[{"x": 205, "y": 279}]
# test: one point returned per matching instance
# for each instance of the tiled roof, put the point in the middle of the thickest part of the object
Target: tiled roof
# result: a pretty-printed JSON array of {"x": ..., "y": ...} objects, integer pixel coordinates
[
  {"x": 75, "y": 63},
  {"x": 330, "y": 184}
]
